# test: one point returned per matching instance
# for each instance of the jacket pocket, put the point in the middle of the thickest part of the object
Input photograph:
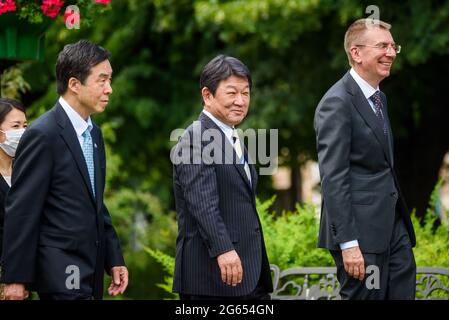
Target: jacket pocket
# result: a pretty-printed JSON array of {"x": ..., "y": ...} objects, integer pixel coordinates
[
  {"x": 57, "y": 241},
  {"x": 362, "y": 197}
]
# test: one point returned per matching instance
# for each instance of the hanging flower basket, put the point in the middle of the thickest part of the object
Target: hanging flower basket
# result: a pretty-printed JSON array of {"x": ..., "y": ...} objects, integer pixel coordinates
[
  {"x": 23, "y": 24},
  {"x": 21, "y": 40}
]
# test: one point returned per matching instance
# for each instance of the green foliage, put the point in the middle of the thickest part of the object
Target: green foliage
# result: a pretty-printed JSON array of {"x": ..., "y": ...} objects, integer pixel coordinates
[
  {"x": 294, "y": 50},
  {"x": 31, "y": 11},
  {"x": 140, "y": 220},
  {"x": 13, "y": 83},
  {"x": 432, "y": 237},
  {"x": 291, "y": 237},
  {"x": 168, "y": 263}
]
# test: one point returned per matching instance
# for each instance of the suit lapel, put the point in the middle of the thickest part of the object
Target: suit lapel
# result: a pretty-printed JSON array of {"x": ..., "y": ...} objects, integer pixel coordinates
[
  {"x": 226, "y": 145},
  {"x": 97, "y": 167},
  {"x": 362, "y": 105},
  {"x": 69, "y": 135},
  {"x": 253, "y": 171},
  {"x": 4, "y": 187}
]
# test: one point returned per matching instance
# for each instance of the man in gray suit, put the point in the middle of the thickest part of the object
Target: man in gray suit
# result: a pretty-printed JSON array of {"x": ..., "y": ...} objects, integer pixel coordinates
[
  {"x": 220, "y": 250},
  {"x": 364, "y": 220}
]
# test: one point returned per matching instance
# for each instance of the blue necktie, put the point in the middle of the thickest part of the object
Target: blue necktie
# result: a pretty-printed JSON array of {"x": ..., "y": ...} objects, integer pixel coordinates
[
  {"x": 375, "y": 98},
  {"x": 89, "y": 156}
]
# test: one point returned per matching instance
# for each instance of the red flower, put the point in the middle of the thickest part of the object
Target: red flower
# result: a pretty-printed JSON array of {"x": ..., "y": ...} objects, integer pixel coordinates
[
  {"x": 103, "y": 1},
  {"x": 51, "y": 7},
  {"x": 6, "y": 6}
]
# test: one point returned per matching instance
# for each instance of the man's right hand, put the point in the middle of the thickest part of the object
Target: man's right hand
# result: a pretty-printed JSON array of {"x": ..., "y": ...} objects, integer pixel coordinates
[
  {"x": 354, "y": 262},
  {"x": 14, "y": 291},
  {"x": 230, "y": 268}
]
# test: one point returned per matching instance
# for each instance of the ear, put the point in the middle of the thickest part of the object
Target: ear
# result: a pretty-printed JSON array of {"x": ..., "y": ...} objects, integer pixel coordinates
[
  {"x": 355, "y": 54},
  {"x": 74, "y": 85},
  {"x": 207, "y": 95}
]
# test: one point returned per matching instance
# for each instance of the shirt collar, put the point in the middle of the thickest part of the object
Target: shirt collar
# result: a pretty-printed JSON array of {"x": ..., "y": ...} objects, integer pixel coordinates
[
  {"x": 366, "y": 88},
  {"x": 227, "y": 130},
  {"x": 79, "y": 124}
]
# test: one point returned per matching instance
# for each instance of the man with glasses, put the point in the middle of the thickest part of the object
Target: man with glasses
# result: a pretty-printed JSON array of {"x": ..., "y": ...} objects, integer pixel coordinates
[{"x": 364, "y": 221}]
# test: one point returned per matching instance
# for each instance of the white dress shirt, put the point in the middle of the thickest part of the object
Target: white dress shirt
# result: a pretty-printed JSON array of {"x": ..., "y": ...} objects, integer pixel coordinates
[
  {"x": 366, "y": 88},
  {"x": 79, "y": 124},
  {"x": 228, "y": 131}
]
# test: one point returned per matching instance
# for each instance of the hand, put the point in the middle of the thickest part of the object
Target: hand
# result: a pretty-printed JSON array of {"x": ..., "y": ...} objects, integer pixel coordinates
[
  {"x": 14, "y": 291},
  {"x": 119, "y": 280},
  {"x": 230, "y": 268},
  {"x": 353, "y": 262}
]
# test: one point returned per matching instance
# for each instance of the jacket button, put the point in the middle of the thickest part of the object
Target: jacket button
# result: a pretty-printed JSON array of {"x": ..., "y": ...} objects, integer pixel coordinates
[{"x": 393, "y": 194}]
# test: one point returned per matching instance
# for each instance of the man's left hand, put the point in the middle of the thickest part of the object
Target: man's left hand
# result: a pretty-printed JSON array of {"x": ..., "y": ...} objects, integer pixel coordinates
[{"x": 119, "y": 280}]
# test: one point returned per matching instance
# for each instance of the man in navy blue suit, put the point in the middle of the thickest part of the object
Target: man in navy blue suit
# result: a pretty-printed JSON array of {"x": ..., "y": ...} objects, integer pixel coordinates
[{"x": 58, "y": 234}]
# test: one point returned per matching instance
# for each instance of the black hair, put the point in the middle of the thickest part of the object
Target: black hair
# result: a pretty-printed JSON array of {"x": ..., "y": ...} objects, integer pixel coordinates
[
  {"x": 220, "y": 68},
  {"x": 76, "y": 60},
  {"x": 6, "y": 105}
]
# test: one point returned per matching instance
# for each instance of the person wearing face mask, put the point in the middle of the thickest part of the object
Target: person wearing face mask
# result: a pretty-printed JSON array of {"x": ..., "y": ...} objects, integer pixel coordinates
[{"x": 12, "y": 125}]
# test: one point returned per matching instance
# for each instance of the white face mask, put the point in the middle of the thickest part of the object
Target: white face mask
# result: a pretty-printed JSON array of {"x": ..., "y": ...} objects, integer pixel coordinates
[{"x": 11, "y": 141}]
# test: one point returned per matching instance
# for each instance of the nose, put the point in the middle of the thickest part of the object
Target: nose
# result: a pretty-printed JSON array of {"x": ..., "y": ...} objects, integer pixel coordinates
[
  {"x": 391, "y": 51},
  {"x": 239, "y": 99},
  {"x": 108, "y": 88}
]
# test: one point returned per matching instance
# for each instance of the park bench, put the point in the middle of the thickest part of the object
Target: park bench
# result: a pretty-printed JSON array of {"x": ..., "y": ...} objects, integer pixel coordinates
[{"x": 313, "y": 283}]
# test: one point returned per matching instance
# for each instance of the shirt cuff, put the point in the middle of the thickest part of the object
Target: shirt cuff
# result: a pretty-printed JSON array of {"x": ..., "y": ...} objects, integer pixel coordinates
[{"x": 349, "y": 244}]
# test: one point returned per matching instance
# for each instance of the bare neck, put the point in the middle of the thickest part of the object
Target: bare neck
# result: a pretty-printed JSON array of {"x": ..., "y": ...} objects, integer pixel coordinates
[
  {"x": 76, "y": 105},
  {"x": 5, "y": 164},
  {"x": 373, "y": 81}
]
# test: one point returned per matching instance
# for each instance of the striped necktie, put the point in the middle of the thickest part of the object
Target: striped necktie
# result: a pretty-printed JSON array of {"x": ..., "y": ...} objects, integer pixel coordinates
[{"x": 375, "y": 98}]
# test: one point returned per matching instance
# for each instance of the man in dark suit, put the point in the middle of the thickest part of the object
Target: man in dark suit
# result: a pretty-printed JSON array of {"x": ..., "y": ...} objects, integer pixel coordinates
[
  {"x": 220, "y": 250},
  {"x": 58, "y": 234},
  {"x": 364, "y": 220}
]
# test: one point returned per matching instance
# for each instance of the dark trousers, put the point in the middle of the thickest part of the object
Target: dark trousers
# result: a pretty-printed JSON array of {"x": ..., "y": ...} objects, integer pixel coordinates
[
  {"x": 259, "y": 293},
  {"x": 64, "y": 296},
  {"x": 397, "y": 271}
]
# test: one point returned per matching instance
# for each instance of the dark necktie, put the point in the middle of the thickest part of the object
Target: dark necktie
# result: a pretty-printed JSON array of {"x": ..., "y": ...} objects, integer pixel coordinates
[
  {"x": 238, "y": 150},
  {"x": 375, "y": 98}
]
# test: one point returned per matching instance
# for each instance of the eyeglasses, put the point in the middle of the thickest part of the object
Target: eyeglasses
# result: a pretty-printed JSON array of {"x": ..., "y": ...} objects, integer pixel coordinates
[{"x": 383, "y": 46}]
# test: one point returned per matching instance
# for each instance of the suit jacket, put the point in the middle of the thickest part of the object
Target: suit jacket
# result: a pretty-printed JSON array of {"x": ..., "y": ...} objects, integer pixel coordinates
[
  {"x": 216, "y": 210},
  {"x": 361, "y": 193},
  {"x": 4, "y": 188},
  {"x": 54, "y": 226}
]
